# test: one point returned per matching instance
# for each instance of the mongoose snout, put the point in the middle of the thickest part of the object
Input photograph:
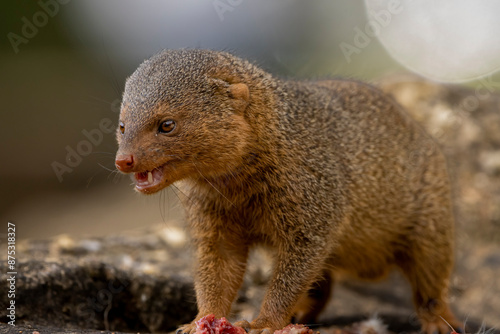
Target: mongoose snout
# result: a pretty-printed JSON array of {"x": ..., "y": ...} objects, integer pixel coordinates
[{"x": 124, "y": 162}]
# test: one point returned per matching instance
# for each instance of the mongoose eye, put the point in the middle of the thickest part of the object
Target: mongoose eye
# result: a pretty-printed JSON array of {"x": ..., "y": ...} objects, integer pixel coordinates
[
  {"x": 122, "y": 128},
  {"x": 167, "y": 126}
]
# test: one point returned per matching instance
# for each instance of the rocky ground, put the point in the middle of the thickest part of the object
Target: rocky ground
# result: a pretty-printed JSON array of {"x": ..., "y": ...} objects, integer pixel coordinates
[{"x": 141, "y": 281}]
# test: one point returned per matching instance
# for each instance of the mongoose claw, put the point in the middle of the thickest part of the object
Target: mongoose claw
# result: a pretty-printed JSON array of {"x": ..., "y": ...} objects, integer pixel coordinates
[
  {"x": 248, "y": 328},
  {"x": 243, "y": 324},
  {"x": 186, "y": 329}
]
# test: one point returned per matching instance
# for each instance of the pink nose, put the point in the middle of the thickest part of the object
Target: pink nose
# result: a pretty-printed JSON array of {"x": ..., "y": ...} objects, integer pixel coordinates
[{"x": 125, "y": 162}]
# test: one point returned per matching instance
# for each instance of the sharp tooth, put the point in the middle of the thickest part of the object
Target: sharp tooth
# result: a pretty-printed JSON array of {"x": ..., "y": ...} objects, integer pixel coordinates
[{"x": 150, "y": 177}]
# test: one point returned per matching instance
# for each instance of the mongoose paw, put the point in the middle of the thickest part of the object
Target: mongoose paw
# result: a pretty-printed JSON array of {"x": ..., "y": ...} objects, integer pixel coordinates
[
  {"x": 252, "y": 328},
  {"x": 187, "y": 329},
  {"x": 444, "y": 324},
  {"x": 440, "y": 327},
  {"x": 243, "y": 324}
]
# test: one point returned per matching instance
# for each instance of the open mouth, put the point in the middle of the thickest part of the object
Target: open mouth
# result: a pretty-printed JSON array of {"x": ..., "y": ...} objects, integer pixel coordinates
[{"x": 150, "y": 181}]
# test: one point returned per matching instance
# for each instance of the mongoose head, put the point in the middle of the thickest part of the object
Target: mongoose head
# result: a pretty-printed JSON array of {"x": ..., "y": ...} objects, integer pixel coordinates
[{"x": 182, "y": 116}]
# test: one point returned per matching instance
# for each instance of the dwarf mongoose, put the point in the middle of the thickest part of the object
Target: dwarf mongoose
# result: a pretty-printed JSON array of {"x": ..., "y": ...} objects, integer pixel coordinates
[{"x": 332, "y": 175}]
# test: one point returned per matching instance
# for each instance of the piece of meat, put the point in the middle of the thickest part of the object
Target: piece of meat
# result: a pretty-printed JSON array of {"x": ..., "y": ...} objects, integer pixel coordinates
[
  {"x": 210, "y": 325},
  {"x": 294, "y": 329}
]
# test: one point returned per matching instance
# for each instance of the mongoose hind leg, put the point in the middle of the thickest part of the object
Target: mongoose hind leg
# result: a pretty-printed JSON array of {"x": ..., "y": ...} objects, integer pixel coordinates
[
  {"x": 314, "y": 301},
  {"x": 428, "y": 273},
  {"x": 436, "y": 317}
]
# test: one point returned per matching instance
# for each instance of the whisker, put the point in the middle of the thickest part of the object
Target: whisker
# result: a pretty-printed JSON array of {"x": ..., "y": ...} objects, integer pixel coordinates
[
  {"x": 162, "y": 212},
  {"x": 177, "y": 188},
  {"x": 452, "y": 329},
  {"x": 482, "y": 329},
  {"x": 167, "y": 200},
  {"x": 212, "y": 184},
  {"x": 465, "y": 321},
  {"x": 90, "y": 180},
  {"x": 117, "y": 175},
  {"x": 109, "y": 170}
]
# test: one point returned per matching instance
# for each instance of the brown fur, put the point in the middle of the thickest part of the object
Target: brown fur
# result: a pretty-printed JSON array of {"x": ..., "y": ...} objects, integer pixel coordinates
[{"x": 332, "y": 175}]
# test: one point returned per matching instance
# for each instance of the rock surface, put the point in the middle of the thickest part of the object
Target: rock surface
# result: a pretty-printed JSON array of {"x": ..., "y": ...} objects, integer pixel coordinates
[
  {"x": 129, "y": 283},
  {"x": 142, "y": 282}
]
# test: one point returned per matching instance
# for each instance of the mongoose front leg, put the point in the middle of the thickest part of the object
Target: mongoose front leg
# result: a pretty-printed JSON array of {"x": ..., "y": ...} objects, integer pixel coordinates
[
  {"x": 298, "y": 265},
  {"x": 221, "y": 265}
]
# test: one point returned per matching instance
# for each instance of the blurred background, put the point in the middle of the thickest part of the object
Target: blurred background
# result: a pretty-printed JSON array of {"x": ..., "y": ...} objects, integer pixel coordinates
[
  {"x": 62, "y": 70},
  {"x": 63, "y": 65}
]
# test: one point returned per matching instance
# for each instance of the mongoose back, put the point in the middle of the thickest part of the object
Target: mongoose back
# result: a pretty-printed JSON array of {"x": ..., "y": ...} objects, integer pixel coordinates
[{"x": 331, "y": 175}]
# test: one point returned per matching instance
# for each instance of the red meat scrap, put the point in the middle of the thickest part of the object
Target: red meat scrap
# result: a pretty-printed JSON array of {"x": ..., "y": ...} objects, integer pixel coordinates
[
  {"x": 294, "y": 329},
  {"x": 210, "y": 325}
]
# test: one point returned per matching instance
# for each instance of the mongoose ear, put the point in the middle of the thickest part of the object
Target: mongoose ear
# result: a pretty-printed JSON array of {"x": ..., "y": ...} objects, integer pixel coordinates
[
  {"x": 239, "y": 91},
  {"x": 240, "y": 96}
]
